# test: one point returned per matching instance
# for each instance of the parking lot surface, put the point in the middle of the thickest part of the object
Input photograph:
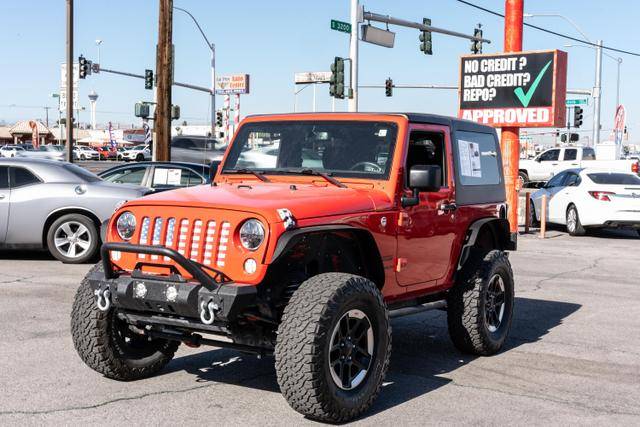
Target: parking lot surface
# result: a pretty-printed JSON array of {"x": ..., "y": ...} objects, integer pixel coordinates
[{"x": 573, "y": 356}]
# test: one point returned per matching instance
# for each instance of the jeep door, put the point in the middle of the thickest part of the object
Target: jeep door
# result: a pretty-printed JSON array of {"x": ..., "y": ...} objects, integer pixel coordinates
[{"x": 426, "y": 231}]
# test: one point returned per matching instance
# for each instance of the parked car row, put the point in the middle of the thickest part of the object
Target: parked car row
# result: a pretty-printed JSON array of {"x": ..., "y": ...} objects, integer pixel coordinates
[{"x": 59, "y": 206}]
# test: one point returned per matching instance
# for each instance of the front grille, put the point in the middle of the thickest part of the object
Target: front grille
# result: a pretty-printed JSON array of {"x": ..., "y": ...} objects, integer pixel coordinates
[{"x": 201, "y": 240}]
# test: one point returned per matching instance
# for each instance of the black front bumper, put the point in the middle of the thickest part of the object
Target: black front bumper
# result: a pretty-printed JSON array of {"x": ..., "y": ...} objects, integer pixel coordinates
[{"x": 170, "y": 295}]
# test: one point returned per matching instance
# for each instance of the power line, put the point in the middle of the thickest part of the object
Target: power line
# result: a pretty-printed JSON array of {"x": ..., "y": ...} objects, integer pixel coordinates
[{"x": 555, "y": 33}]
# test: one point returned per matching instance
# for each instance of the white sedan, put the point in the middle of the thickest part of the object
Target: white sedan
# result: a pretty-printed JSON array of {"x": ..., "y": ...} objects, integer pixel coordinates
[
  {"x": 589, "y": 198},
  {"x": 138, "y": 153}
]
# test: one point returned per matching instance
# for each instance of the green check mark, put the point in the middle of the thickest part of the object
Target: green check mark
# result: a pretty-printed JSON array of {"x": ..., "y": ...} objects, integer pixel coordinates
[{"x": 526, "y": 98}]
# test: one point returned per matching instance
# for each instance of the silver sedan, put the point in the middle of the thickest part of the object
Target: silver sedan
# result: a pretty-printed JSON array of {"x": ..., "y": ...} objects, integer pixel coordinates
[{"x": 56, "y": 205}]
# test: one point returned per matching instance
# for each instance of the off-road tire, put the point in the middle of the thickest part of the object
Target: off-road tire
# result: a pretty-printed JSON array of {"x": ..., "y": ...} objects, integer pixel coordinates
[
  {"x": 466, "y": 304},
  {"x": 579, "y": 230},
  {"x": 93, "y": 337},
  {"x": 89, "y": 253},
  {"x": 302, "y": 347}
]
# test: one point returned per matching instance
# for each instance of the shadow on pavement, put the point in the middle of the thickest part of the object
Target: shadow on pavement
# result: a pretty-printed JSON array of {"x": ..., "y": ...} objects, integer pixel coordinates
[
  {"x": 422, "y": 353},
  {"x": 29, "y": 255}
]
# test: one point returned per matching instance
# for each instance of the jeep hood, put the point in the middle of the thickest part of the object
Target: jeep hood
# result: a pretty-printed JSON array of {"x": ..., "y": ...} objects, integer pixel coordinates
[{"x": 303, "y": 200}]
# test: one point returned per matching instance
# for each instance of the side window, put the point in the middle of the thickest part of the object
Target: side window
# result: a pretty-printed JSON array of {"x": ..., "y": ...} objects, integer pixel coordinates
[
  {"x": 477, "y": 161},
  {"x": 588, "y": 154},
  {"x": 175, "y": 177},
  {"x": 127, "y": 176},
  {"x": 557, "y": 180},
  {"x": 570, "y": 154},
  {"x": 4, "y": 177},
  {"x": 425, "y": 148},
  {"x": 550, "y": 156},
  {"x": 572, "y": 180},
  {"x": 21, "y": 177}
]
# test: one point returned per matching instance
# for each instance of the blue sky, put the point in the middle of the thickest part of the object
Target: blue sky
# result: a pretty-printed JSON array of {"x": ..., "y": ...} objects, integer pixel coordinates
[{"x": 272, "y": 40}]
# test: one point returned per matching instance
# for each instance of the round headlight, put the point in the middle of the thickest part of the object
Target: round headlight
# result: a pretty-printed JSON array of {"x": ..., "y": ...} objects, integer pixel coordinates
[
  {"x": 126, "y": 225},
  {"x": 252, "y": 234}
]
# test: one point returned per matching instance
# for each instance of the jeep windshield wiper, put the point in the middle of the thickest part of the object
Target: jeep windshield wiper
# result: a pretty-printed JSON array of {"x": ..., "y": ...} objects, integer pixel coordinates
[
  {"x": 312, "y": 172},
  {"x": 257, "y": 174}
]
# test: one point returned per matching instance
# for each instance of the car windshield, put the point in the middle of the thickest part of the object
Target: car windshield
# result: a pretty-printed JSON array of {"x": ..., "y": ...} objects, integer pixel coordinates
[
  {"x": 361, "y": 149},
  {"x": 614, "y": 178},
  {"x": 81, "y": 173}
]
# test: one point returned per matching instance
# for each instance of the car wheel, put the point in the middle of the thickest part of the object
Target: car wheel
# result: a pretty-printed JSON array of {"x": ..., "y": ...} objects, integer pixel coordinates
[
  {"x": 109, "y": 345},
  {"x": 73, "y": 239},
  {"x": 574, "y": 227},
  {"x": 533, "y": 219},
  {"x": 333, "y": 347},
  {"x": 524, "y": 178},
  {"x": 480, "y": 308}
]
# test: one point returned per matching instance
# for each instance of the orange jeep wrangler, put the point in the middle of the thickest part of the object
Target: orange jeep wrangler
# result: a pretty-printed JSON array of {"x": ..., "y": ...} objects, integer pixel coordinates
[{"x": 317, "y": 229}]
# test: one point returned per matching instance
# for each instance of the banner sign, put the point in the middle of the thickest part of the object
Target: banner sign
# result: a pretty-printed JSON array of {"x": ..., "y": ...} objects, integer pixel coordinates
[
  {"x": 237, "y": 83},
  {"x": 618, "y": 126},
  {"x": 522, "y": 89},
  {"x": 312, "y": 77}
]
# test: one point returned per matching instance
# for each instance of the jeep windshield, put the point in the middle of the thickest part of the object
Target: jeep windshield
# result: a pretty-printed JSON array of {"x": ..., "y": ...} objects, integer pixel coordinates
[{"x": 358, "y": 149}]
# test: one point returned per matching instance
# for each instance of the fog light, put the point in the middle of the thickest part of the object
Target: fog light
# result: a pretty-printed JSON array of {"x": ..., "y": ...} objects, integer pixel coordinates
[
  {"x": 140, "y": 290},
  {"x": 250, "y": 266},
  {"x": 172, "y": 293}
]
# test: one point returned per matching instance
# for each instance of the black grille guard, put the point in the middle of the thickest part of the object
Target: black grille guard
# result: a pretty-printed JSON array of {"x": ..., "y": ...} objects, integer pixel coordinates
[{"x": 197, "y": 270}]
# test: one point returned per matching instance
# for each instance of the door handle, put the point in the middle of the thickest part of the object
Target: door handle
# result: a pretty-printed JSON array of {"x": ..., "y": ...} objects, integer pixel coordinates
[
  {"x": 554, "y": 164},
  {"x": 2, "y": 196},
  {"x": 447, "y": 208}
]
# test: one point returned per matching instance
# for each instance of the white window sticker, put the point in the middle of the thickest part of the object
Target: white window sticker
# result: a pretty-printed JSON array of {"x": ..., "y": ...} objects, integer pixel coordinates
[
  {"x": 469, "y": 153},
  {"x": 174, "y": 176},
  {"x": 160, "y": 176}
]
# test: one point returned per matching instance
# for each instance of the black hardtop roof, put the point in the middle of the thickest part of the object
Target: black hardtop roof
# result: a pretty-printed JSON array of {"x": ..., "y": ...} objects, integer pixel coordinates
[{"x": 425, "y": 118}]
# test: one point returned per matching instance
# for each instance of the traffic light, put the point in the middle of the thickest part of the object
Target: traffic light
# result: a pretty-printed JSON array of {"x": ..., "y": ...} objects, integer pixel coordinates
[
  {"x": 577, "y": 117},
  {"x": 476, "y": 45},
  {"x": 336, "y": 84},
  {"x": 219, "y": 119},
  {"x": 388, "y": 87},
  {"x": 175, "y": 112},
  {"x": 425, "y": 39},
  {"x": 83, "y": 67},
  {"x": 148, "y": 79}
]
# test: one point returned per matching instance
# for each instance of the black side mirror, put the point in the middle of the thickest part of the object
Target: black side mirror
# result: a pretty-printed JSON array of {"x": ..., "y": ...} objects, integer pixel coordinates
[
  {"x": 213, "y": 170},
  {"x": 422, "y": 178}
]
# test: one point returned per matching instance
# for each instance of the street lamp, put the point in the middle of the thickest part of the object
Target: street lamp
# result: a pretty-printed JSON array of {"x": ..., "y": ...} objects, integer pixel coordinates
[
  {"x": 98, "y": 43},
  {"x": 212, "y": 47},
  {"x": 618, "y": 62},
  {"x": 598, "y": 78}
]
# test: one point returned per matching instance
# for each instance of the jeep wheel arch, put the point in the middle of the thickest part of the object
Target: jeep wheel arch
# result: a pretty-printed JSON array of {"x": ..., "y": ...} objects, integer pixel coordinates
[
  {"x": 361, "y": 241},
  {"x": 484, "y": 235}
]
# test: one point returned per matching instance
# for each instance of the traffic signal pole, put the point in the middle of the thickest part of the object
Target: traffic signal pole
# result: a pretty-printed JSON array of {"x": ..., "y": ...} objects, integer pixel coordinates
[
  {"x": 69, "y": 123},
  {"x": 597, "y": 92},
  {"x": 353, "y": 55},
  {"x": 510, "y": 140}
]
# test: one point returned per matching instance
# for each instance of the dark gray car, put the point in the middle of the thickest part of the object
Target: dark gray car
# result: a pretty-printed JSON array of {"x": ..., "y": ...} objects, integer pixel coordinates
[
  {"x": 196, "y": 149},
  {"x": 56, "y": 205}
]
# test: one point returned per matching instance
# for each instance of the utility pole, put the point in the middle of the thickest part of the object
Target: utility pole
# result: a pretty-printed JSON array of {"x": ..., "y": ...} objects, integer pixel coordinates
[
  {"x": 597, "y": 94},
  {"x": 510, "y": 141},
  {"x": 353, "y": 55},
  {"x": 164, "y": 69},
  {"x": 69, "y": 123},
  {"x": 213, "y": 90}
]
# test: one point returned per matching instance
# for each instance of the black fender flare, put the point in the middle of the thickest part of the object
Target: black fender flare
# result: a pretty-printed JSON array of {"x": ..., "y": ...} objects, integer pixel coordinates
[
  {"x": 365, "y": 239},
  {"x": 505, "y": 240}
]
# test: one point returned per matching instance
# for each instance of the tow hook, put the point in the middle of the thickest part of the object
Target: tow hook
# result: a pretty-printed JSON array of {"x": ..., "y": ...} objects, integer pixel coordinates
[
  {"x": 208, "y": 312},
  {"x": 103, "y": 299}
]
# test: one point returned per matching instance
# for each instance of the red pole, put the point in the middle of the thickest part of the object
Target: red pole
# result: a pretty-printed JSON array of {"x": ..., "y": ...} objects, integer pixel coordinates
[{"x": 510, "y": 139}]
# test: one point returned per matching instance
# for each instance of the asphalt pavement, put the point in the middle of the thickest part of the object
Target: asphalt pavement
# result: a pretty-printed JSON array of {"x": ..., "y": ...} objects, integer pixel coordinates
[{"x": 573, "y": 356}]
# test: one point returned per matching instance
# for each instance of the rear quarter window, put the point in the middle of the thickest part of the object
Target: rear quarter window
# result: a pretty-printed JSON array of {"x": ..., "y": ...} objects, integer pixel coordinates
[{"x": 477, "y": 159}]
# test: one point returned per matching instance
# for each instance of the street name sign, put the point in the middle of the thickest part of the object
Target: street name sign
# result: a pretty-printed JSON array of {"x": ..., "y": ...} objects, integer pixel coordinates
[
  {"x": 312, "y": 77},
  {"x": 344, "y": 27},
  {"x": 520, "y": 89},
  {"x": 577, "y": 101}
]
